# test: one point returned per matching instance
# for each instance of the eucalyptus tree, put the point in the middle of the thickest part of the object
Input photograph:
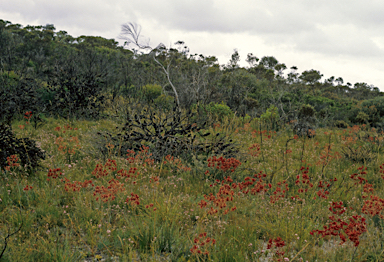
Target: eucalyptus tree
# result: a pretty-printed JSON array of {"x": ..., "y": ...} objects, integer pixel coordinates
[
  {"x": 310, "y": 77},
  {"x": 234, "y": 61},
  {"x": 339, "y": 81},
  {"x": 293, "y": 76},
  {"x": 269, "y": 62},
  {"x": 252, "y": 60}
]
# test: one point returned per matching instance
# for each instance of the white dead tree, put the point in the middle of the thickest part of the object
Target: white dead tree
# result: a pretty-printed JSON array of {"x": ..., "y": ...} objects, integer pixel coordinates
[{"x": 130, "y": 32}]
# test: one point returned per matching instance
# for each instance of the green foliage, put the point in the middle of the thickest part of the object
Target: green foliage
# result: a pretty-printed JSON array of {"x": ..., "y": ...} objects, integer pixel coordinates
[
  {"x": 340, "y": 124},
  {"x": 50, "y": 73},
  {"x": 270, "y": 118},
  {"x": 216, "y": 110},
  {"x": 151, "y": 92},
  {"x": 369, "y": 111},
  {"x": 77, "y": 89},
  {"x": 377, "y": 102},
  {"x": 359, "y": 153},
  {"x": 237, "y": 85},
  {"x": 365, "y": 147},
  {"x": 69, "y": 75},
  {"x": 271, "y": 115},
  {"x": 127, "y": 91},
  {"x": 251, "y": 103},
  {"x": 319, "y": 102},
  {"x": 305, "y": 124},
  {"x": 269, "y": 62},
  {"x": 311, "y": 76},
  {"x": 323, "y": 113},
  {"x": 165, "y": 102},
  {"x": 362, "y": 118},
  {"x": 306, "y": 112},
  {"x": 46, "y": 94}
]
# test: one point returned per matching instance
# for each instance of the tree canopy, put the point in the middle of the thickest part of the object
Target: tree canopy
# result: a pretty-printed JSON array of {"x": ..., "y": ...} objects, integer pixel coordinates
[{"x": 66, "y": 75}]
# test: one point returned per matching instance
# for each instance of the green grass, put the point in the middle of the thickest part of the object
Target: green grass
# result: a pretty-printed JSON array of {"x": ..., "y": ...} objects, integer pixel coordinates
[{"x": 62, "y": 224}]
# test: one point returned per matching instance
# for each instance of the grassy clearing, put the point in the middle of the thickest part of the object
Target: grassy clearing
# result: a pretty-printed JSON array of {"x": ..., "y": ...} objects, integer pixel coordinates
[{"x": 266, "y": 205}]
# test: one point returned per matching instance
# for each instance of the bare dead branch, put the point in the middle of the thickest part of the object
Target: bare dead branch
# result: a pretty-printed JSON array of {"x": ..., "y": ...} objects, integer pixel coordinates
[
  {"x": 131, "y": 33},
  {"x": 8, "y": 236}
]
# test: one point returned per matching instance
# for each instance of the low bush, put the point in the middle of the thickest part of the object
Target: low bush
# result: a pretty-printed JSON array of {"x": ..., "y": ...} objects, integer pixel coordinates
[
  {"x": 215, "y": 110},
  {"x": 174, "y": 133},
  {"x": 24, "y": 149},
  {"x": 151, "y": 92}
]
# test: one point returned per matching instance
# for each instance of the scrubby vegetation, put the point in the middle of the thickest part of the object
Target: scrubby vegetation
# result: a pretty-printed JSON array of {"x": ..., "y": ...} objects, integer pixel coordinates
[
  {"x": 282, "y": 196},
  {"x": 113, "y": 155}
]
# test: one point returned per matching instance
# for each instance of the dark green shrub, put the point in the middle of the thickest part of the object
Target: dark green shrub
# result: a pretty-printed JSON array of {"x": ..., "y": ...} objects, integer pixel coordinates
[
  {"x": 16, "y": 97},
  {"x": 270, "y": 118},
  {"x": 77, "y": 85},
  {"x": 25, "y": 148},
  {"x": 175, "y": 134},
  {"x": 323, "y": 113},
  {"x": 127, "y": 91},
  {"x": 306, "y": 112}
]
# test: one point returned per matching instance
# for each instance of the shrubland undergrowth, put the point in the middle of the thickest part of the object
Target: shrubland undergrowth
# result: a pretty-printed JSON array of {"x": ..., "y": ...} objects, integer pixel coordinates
[{"x": 283, "y": 197}]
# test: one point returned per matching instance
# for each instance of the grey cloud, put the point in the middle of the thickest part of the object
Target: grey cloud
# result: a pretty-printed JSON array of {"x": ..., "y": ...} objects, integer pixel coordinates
[
  {"x": 338, "y": 41},
  {"x": 273, "y": 16},
  {"x": 285, "y": 21},
  {"x": 95, "y": 16},
  {"x": 209, "y": 16}
]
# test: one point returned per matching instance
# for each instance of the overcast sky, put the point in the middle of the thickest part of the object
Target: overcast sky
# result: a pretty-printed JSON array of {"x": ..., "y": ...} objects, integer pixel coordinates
[{"x": 341, "y": 38}]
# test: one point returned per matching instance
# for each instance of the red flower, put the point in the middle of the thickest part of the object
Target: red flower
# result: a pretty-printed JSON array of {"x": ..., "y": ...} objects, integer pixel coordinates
[{"x": 27, "y": 188}]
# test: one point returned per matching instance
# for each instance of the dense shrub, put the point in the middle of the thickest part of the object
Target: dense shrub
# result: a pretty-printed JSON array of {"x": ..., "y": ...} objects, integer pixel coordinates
[
  {"x": 151, "y": 92},
  {"x": 77, "y": 86},
  {"x": 16, "y": 96},
  {"x": 251, "y": 103},
  {"x": 164, "y": 102},
  {"x": 25, "y": 148},
  {"x": 306, "y": 113},
  {"x": 174, "y": 133},
  {"x": 377, "y": 102},
  {"x": 215, "y": 110}
]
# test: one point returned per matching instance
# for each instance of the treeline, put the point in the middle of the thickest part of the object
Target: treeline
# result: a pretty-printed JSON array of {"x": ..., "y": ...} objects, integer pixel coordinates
[{"x": 49, "y": 71}]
